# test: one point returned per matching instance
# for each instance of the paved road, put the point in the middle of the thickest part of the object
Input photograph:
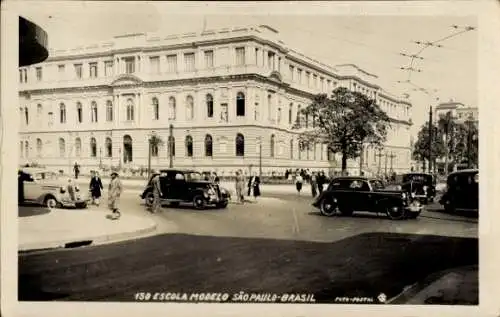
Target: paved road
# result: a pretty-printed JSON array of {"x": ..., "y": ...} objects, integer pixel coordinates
[{"x": 279, "y": 244}]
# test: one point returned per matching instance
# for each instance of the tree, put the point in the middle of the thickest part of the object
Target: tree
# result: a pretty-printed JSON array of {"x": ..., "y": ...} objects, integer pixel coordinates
[
  {"x": 446, "y": 125},
  {"x": 465, "y": 136},
  {"x": 421, "y": 147},
  {"x": 344, "y": 121}
]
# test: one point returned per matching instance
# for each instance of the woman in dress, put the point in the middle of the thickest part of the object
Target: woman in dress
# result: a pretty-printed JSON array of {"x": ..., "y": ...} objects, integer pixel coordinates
[
  {"x": 254, "y": 186},
  {"x": 298, "y": 182},
  {"x": 95, "y": 188}
]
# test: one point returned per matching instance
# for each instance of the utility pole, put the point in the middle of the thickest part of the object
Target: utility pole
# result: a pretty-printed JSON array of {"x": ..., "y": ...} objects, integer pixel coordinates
[
  {"x": 150, "y": 148},
  {"x": 379, "y": 155},
  {"x": 392, "y": 156},
  {"x": 260, "y": 158},
  {"x": 171, "y": 146},
  {"x": 361, "y": 160},
  {"x": 430, "y": 140}
]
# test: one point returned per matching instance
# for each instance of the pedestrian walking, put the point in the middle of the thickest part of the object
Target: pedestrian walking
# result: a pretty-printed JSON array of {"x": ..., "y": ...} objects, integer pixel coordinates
[
  {"x": 76, "y": 169},
  {"x": 71, "y": 190},
  {"x": 114, "y": 191},
  {"x": 314, "y": 185},
  {"x": 95, "y": 188},
  {"x": 298, "y": 183},
  {"x": 321, "y": 179},
  {"x": 242, "y": 186},
  {"x": 157, "y": 194},
  {"x": 237, "y": 185},
  {"x": 254, "y": 186}
]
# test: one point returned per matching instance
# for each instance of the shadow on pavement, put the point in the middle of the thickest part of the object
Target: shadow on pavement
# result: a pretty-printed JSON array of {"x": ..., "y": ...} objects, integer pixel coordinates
[
  {"x": 27, "y": 210},
  {"x": 363, "y": 265}
]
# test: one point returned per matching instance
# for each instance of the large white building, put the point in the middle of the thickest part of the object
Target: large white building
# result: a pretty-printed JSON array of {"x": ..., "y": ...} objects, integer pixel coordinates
[{"x": 224, "y": 91}]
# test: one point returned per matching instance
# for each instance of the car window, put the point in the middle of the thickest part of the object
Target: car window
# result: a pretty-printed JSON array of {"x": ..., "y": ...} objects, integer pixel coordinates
[
  {"x": 358, "y": 185},
  {"x": 179, "y": 177},
  {"x": 376, "y": 184},
  {"x": 194, "y": 176}
]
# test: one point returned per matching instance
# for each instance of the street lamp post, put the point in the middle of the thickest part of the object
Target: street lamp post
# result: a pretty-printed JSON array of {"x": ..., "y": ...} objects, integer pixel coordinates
[
  {"x": 100, "y": 158},
  {"x": 260, "y": 157},
  {"x": 379, "y": 155},
  {"x": 430, "y": 140},
  {"x": 392, "y": 156},
  {"x": 171, "y": 146},
  {"x": 361, "y": 158}
]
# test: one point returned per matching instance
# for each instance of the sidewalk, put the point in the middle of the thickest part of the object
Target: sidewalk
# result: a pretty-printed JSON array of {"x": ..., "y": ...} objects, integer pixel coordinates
[{"x": 60, "y": 227}]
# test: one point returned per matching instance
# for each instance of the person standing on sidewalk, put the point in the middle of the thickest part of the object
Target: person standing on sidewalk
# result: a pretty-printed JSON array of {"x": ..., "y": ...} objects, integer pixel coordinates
[
  {"x": 238, "y": 186},
  {"x": 76, "y": 169},
  {"x": 95, "y": 188},
  {"x": 314, "y": 184},
  {"x": 114, "y": 192},
  {"x": 156, "y": 206},
  {"x": 254, "y": 186},
  {"x": 298, "y": 183}
]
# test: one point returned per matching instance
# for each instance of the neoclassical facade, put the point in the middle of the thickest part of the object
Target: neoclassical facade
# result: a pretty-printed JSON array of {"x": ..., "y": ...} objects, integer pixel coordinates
[{"x": 231, "y": 95}]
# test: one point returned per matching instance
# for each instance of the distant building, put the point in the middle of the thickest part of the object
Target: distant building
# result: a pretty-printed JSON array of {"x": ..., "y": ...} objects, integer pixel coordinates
[
  {"x": 459, "y": 111},
  {"x": 224, "y": 91}
]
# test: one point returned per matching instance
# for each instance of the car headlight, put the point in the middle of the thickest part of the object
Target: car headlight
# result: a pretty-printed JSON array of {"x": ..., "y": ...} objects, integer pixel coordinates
[
  {"x": 412, "y": 195},
  {"x": 62, "y": 190},
  {"x": 403, "y": 195},
  {"x": 425, "y": 189}
]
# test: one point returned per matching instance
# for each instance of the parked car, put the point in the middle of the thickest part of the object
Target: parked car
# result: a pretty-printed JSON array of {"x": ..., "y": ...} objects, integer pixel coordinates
[
  {"x": 421, "y": 186},
  {"x": 349, "y": 194},
  {"x": 187, "y": 186},
  {"x": 45, "y": 187},
  {"x": 462, "y": 191}
]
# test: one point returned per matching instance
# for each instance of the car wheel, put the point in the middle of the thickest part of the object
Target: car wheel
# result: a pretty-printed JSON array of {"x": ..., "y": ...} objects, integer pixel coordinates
[
  {"x": 222, "y": 205},
  {"x": 328, "y": 207},
  {"x": 50, "y": 202},
  {"x": 199, "y": 202},
  {"x": 149, "y": 199},
  {"x": 395, "y": 212}
]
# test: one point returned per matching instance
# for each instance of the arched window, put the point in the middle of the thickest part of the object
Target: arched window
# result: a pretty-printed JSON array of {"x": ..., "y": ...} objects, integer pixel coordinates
[
  {"x": 93, "y": 109},
  {"x": 189, "y": 146},
  {"x": 291, "y": 149},
  {"x": 62, "y": 147},
  {"x": 109, "y": 111},
  {"x": 26, "y": 115},
  {"x": 156, "y": 109},
  {"x": 240, "y": 104},
  {"x": 127, "y": 149},
  {"x": 171, "y": 108},
  {"x": 279, "y": 115},
  {"x": 78, "y": 147},
  {"x": 210, "y": 106},
  {"x": 109, "y": 147},
  {"x": 189, "y": 108},
  {"x": 290, "y": 109},
  {"x": 79, "y": 112},
  {"x": 269, "y": 107},
  {"x": 208, "y": 145},
  {"x": 93, "y": 147},
  {"x": 272, "y": 141},
  {"x": 299, "y": 116},
  {"x": 307, "y": 120},
  {"x": 39, "y": 110},
  {"x": 62, "y": 113},
  {"x": 171, "y": 145},
  {"x": 240, "y": 145},
  {"x": 39, "y": 148},
  {"x": 130, "y": 109},
  {"x": 27, "y": 149}
]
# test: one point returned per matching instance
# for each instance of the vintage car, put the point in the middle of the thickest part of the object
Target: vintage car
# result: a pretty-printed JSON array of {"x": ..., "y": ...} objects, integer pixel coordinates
[
  {"x": 421, "y": 186},
  {"x": 462, "y": 191},
  {"x": 187, "y": 186},
  {"x": 345, "y": 195},
  {"x": 44, "y": 187}
]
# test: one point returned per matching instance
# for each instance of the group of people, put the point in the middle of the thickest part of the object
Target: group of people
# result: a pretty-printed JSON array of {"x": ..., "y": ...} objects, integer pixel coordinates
[
  {"x": 115, "y": 190},
  {"x": 253, "y": 186},
  {"x": 316, "y": 180}
]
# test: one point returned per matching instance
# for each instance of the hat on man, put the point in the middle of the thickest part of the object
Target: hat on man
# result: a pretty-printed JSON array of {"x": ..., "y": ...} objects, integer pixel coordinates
[{"x": 114, "y": 173}]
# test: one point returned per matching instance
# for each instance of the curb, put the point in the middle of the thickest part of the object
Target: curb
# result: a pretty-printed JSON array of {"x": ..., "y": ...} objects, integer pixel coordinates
[{"x": 98, "y": 239}]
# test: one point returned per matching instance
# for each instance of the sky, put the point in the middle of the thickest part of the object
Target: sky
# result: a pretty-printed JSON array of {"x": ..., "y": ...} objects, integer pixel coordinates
[{"x": 373, "y": 42}]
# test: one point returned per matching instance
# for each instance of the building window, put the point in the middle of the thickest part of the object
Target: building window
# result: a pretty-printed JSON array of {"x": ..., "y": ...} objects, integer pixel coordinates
[
  {"x": 39, "y": 148},
  {"x": 256, "y": 112},
  {"x": 109, "y": 111},
  {"x": 189, "y": 62},
  {"x": 291, "y": 149},
  {"x": 93, "y": 147},
  {"x": 130, "y": 110},
  {"x": 224, "y": 116},
  {"x": 299, "y": 76},
  {"x": 23, "y": 75},
  {"x": 156, "y": 109},
  {"x": 240, "y": 104},
  {"x": 189, "y": 108},
  {"x": 78, "y": 71},
  {"x": 62, "y": 113},
  {"x": 269, "y": 106},
  {"x": 240, "y": 56},
  {"x": 129, "y": 65},
  {"x": 171, "y": 108},
  {"x": 307, "y": 120},
  {"x": 272, "y": 146},
  {"x": 308, "y": 79},
  {"x": 39, "y": 74},
  {"x": 171, "y": 147},
  {"x": 21, "y": 148},
  {"x": 290, "y": 109},
  {"x": 257, "y": 57},
  {"x": 270, "y": 60},
  {"x": 315, "y": 81},
  {"x": 79, "y": 112},
  {"x": 108, "y": 68},
  {"x": 62, "y": 147},
  {"x": 189, "y": 146},
  {"x": 26, "y": 115},
  {"x": 208, "y": 145},
  {"x": 209, "y": 59},
  {"x": 210, "y": 106},
  {"x": 279, "y": 116},
  {"x": 61, "y": 70},
  {"x": 93, "y": 111},
  {"x": 172, "y": 63},
  {"x": 154, "y": 63},
  {"x": 240, "y": 145},
  {"x": 93, "y": 70},
  {"x": 299, "y": 116},
  {"x": 51, "y": 118},
  {"x": 26, "y": 149},
  {"x": 127, "y": 149},
  {"x": 292, "y": 70},
  {"x": 109, "y": 147},
  {"x": 39, "y": 110}
]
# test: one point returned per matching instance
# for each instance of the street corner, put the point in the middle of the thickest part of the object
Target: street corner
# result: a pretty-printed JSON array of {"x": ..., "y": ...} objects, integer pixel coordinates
[{"x": 69, "y": 228}]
